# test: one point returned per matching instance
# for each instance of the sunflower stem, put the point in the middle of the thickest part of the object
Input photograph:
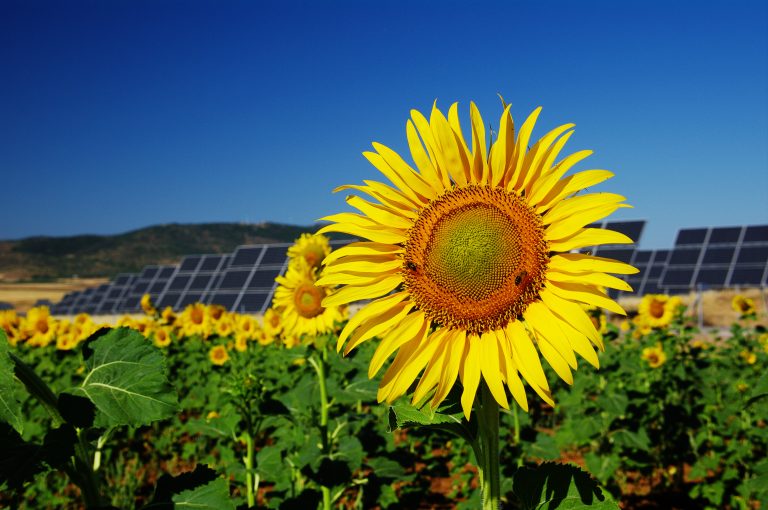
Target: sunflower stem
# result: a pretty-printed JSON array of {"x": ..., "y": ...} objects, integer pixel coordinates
[
  {"x": 249, "y": 450},
  {"x": 319, "y": 366},
  {"x": 487, "y": 450}
]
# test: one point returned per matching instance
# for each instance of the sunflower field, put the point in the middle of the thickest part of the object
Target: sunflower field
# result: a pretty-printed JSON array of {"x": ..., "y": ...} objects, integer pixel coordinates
[{"x": 404, "y": 371}]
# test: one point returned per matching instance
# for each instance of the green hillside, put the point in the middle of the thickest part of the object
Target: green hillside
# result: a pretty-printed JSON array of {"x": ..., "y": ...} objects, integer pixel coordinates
[{"x": 48, "y": 258}]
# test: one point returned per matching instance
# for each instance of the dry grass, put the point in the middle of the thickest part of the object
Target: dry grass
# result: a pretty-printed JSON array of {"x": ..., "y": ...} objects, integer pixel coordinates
[{"x": 24, "y": 295}]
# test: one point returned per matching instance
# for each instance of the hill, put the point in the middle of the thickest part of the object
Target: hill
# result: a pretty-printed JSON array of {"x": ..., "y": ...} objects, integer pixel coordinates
[{"x": 88, "y": 256}]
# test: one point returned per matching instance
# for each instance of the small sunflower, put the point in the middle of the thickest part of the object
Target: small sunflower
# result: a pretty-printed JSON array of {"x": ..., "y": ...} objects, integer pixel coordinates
[
  {"x": 300, "y": 300},
  {"x": 468, "y": 260},
  {"x": 658, "y": 310},
  {"x": 9, "y": 322},
  {"x": 273, "y": 323},
  {"x": 162, "y": 336},
  {"x": 168, "y": 316},
  {"x": 39, "y": 327},
  {"x": 248, "y": 326},
  {"x": 743, "y": 305},
  {"x": 312, "y": 248},
  {"x": 65, "y": 342},
  {"x": 241, "y": 342},
  {"x": 655, "y": 356},
  {"x": 218, "y": 355},
  {"x": 224, "y": 327},
  {"x": 749, "y": 357},
  {"x": 147, "y": 305},
  {"x": 195, "y": 320}
]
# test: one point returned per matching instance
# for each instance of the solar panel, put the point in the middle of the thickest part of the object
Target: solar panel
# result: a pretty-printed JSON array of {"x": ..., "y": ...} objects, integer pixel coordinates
[
  {"x": 246, "y": 256},
  {"x": 275, "y": 255},
  {"x": 211, "y": 262},
  {"x": 753, "y": 255},
  {"x": 264, "y": 278},
  {"x": 632, "y": 229},
  {"x": 748, "y": 276},
  {"x": 622, "y": 254},
  {"x": 685, "y": 256},
  {"x": 723, "y": 235},
  {"x": 756, "y": 234},
  {"x": 691, "y": 236},
  {"x": 719, "y": 255},
  {"x": 190, "y": 263},
  {"x": 253, "y": 302}
]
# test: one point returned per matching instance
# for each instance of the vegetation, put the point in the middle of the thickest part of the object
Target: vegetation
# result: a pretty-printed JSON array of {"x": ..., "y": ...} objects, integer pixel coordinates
[{"x": 49, "y": 258}]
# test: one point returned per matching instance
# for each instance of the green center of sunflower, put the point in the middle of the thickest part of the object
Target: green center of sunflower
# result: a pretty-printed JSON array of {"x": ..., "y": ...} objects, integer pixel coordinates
[
  {"x": 475, "y": 258},
  {"x": 308, "y": 300}
]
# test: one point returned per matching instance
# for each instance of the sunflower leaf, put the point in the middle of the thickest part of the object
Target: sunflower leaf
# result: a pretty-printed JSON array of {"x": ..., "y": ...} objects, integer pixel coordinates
[
  {"x": 562, "y": 486},
  {"x": 760, "y": 390},
  {"x": 126, "y": 379},
  {"x": 449, "y": 418},
  {"x": 10, "y": 406}
]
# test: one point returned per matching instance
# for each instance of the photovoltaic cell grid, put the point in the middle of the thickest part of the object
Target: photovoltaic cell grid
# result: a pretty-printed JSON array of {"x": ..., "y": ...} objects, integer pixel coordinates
[
  {"x": 151, "y": 280},
  {"x": 719, "y": 257},
  {"x": 622, "y": 252}
]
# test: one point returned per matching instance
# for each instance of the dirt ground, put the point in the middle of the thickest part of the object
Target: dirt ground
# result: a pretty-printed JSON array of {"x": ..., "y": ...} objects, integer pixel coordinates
[{"x": 24, "y": 295}]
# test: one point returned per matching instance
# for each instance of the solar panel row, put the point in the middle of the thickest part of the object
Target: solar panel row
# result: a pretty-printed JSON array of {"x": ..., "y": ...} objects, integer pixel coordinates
[{"x": 242, "y": 281}]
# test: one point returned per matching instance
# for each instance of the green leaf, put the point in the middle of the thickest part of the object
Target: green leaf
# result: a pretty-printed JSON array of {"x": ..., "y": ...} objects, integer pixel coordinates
[
  {"x": 603, "y": 467},
  {"x": 545, "y": 447},
  {"x": 10, "y": 406},
  {"x": 637, "y": 440},
  {"x": 269, "y": 462},
  {"x": 386, "y": 468},
  {"x": 759, "y": 391},
  {"x": 449, "y": 417},
  {"x": 559, "y": 486},
  {"x": 212, "y": 496},
  {"x": 613, "y": 403},
  {"x": 126, "y": 379}
]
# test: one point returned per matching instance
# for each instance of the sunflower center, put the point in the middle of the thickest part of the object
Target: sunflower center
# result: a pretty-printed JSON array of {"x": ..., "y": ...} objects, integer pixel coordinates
[
  {"x": 308, "y": 299},
  {"x": 656, "y": 309},
  {"x": 475, "y": 258},
  {"x": 42, "y": 326},
  {"x": 196, "y": 316}
]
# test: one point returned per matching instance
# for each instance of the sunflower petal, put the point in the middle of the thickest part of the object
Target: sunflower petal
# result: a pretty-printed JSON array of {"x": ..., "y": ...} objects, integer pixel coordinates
[
  {"x": 368, "y": 312},
  {"x": 490, "y": 367},
  {"x": 414, "y": 325},
  {"x": 470, "y": 373}
]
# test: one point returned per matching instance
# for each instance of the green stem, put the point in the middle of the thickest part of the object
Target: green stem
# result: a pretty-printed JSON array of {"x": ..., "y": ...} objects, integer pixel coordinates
[
  {"x": 37, "y": 388},
  {"x": 487, "y": 448},
  {"x": 319, "y": 366},
  {"x": 517, "y": 434},
  {"x": 249, "y": 470},
  {"x": 86, "y": 478}
]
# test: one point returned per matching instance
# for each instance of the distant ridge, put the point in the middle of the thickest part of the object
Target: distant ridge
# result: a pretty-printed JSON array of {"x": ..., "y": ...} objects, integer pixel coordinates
[{"x": 50, "y": 258}]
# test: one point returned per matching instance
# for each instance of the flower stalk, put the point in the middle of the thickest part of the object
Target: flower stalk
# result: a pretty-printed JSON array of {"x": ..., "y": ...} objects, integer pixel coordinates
[
  {"x": 319, "y": 364},
  {"x": 486, "y": 447}
]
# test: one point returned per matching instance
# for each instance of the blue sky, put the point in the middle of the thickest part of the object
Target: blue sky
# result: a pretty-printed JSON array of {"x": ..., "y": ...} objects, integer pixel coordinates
[{"x": 122, "y": 114}]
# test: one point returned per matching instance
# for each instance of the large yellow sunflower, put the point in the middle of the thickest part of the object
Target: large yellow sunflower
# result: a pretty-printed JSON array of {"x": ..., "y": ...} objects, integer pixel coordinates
[
  {"x": 467, "y": 260},
  {"x": 300, "y": 301}
]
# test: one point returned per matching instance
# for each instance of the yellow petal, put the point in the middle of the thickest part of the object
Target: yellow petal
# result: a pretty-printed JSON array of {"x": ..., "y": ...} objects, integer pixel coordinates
[
  {"x": 364, "y": 249},
  {"x": 479, "y": 149},
  {"x": 407, "y": 373},
  {"x": 431, "y": 375},
  {"x": 574, "y": 315},
  {"x": 356, "y": 277},
  {"x": 524, "y": 352},
  {"x": 413, "y": 326},
  {"x": 455, "y": 161},
  {"x": 537, "y": 315},
  {"x": 517, "y": 170},
  {"x": 580, "y": 203},
  {"x": 350, "y": 293},
  {"x": 599, "y": 279},
  {"x": 502, "y": 149},
  {"x": 576, "y": 221},
  {"x": 421, "y": 158},
  {"x": 568, "y": 186},
  {"x": 363, "y": 264},
  {"x": 555, "y": 360},
  {"x": 589, "y": 237},
  {"x": 387, "y": 195},
  {"x": 369, "y": 311},
  {"x": 536, "y": 156},
  {"x": 456, "y": 347},
  {"x": 384, "y": 235},
  {"x": 490, "y": 366},
  {"x": 470, "y": 373},
  {"x": 433, "y": 149},
  {"x": 382, "y": 324},
  {"x": 405, "y": 172},
  {"x": 380, "y": 214},
  {"x": 581, "y": 262},
  {"x": 585, "y": 294},
  {"x": 547, "y": 177},
  {"x": 400, "y": 184}
]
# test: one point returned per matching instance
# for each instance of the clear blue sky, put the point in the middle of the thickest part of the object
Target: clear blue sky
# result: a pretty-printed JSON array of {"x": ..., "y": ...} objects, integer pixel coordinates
[{"x": 116, "y": 115}]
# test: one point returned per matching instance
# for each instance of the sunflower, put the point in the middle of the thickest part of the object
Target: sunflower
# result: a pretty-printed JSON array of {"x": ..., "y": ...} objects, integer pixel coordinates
[
  {"x": 168, "y": 316},
  {"x": 162, "y": 336},
  {"x": 247, "y": 326},
  {"x": 655, "y": 356},
  {"x": 657, "y": 310},
  {"x": 147, "y": 306},
  {"x": 241, "y": 342},
  {"x": 218, "y": 355},
  {"x": 273, "y": 324},
  {"x": 467, "y": 260},
  {"x": 300, "y": 300},
  {"x": 38, "y": 326},
  {"x": 312, "y": 248},
  {"x": 9, "y": 322},
  {"x": 195, "y": 320},
  {"x": 224, "y": 327},
  {"x": 743, "y": 305}
]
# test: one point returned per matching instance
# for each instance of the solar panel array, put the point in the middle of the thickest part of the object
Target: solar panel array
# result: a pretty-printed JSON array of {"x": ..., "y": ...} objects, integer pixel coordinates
[
  {"x": 717, "y": 258},
  {"x": 242, "y": 281}
]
